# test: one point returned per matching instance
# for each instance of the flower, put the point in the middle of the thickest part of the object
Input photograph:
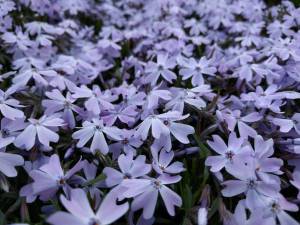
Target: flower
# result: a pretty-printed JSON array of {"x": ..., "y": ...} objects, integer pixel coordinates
[
  {"x": 202, "y": 216},
  {"x": 285, "y": 124},
  {"x": 127, "y": 143},
  {"x": 38, "y": 129},
  {"x": 162, "y": 162},
  {"x": 8, "y": 162},
  {"x": 58, "y": 102},
  {"x": 191, "y": 97},
  {"x": 165, "y": 124},
  {"x": 275, "y": 210},
  {"x": 152, "y": 99},
  {"x": 162, "y": 67},
  {"x": 196, "y": 69},
  {"x": 6, "y": 7},
  {"x": 130, "y": 169},
  {"x": 296, "y": 122},
  {"x": 145, "y": 193},
  {"x": 81, "y": 213},
  {"x": 18, "y": 39},
  {"x": 90, "y": 175},
  {"x": 249, "y": 184},
  {"x": 296, "y": 181},
  {"x": 48, "y": 179},
  {"x": 234, "y": 118},
  {"x": 95, "y": 129},
  {"x": 40, "y": 76},
  {"x": 96, "y": 100},
  {"x": 266, "y": 166},
  {"x": 216, "y": 84},
  {"x": 8, "y": 105},
  {"x": 122, "y": 113},
  {"x": 269, "y": 98},
  {"x": 240, "y": 216},
  {"x": 229, "y": 155},
  {"x": 9, "y": 130}
]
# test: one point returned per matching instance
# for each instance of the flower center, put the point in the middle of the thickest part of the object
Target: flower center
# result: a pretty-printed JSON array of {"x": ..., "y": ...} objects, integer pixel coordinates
[
  {"x": 229, "y": 155},
  {"x": 125, "y": 141},
  {"x": 160, "y": 67},
  {"x": 94, "y": 221},
  {"x": 198, "y": 69},
  {"x": 61, "y": 72},
  {"x": 275, "y": 207},
  {"x": 127, "y": 176},
  {"x": 61, "y": 181},
  {"x": 99, "y": 128},
  {"x": 5, "y": 132},
  {"x": 251, "y": 184},
  {"x": 166, "y": 122},
  {"x": 161, "y": 167},
  {"x": 67, "y": 104},
  {"x": 156, "y": 184},
  {"x": 36, "y": 122}
]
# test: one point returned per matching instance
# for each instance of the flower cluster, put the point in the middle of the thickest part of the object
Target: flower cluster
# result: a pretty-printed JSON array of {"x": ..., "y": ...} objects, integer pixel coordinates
[{"x": 145, "y": 112}]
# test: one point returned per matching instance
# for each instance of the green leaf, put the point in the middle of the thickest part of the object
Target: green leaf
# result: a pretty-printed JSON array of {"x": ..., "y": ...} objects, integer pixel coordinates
[
  {"x": 55, "y": 203},
  {"x": 214, "y": 208},
  {"x": 4, "y": 185},
  {"x": 2, "y": 218},
  {"x": 187, "y": 198},
  {"x": 297, "y": 3},
  {"x": 187, "y": 221},
  {"x": 204, "y": 151},
  {"x": 24, "y": 211},
  {"x": 13, "y": 207},
  {"x": 205, "y": 176},
  {"x": 94, "y": 181}
]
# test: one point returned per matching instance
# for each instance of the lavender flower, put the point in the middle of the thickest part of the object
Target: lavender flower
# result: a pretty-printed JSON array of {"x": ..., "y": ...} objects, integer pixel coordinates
[
  {"x": 275, "y": 209},
  {"x": 19, "y": 40},
  {"x": 229, "y": 155},
  {"x": 124, "y": 114},
  {"x": 165, "y": 124},
  {"x": 81, "y": 212},
  {"x": 130, "y": 169},
  {"x": 235, "y": 118},
  {"x": 162, "y": 68},
  {"x": 48, "y": 179},
  {"x": 162, "y": 162},
  {"x": 214, "y": 82},
  {"x": 9, "y": 130},
  {"x": 8, "y": 105},
  {"x": 96, "y": 100},
  {"x": 249, "y": 184},
  {"x": 196, "y": 69},
  {"x": 145, "y": 193},
  {"x": 8, "y": 162},
  {"x": 58, "y": 102},
  {"x": 96, "y": 130},
  {"x": 191, "y": 97},
  {"x": 38, "y": 130},
  {"x": 127, "y": 143}
]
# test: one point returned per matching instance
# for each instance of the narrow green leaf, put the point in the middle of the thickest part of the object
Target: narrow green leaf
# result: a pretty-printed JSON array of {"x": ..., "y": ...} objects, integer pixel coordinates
[
  {"x": 4, "y": 185},
  {"x": 187, "y": 198},
  {"x": 2, "y": 218},
  {"x": 187, "y": 221},
  {"x": 13, "y": 207},
  {"x": 214, "y": 208},
  {"x": 94, "y": 181},
  {"x": 25, "y": 217}
]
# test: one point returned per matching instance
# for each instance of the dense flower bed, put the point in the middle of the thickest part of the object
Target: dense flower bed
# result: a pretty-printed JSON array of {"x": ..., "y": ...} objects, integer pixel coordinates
[{"x": 149, "y": 112}]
